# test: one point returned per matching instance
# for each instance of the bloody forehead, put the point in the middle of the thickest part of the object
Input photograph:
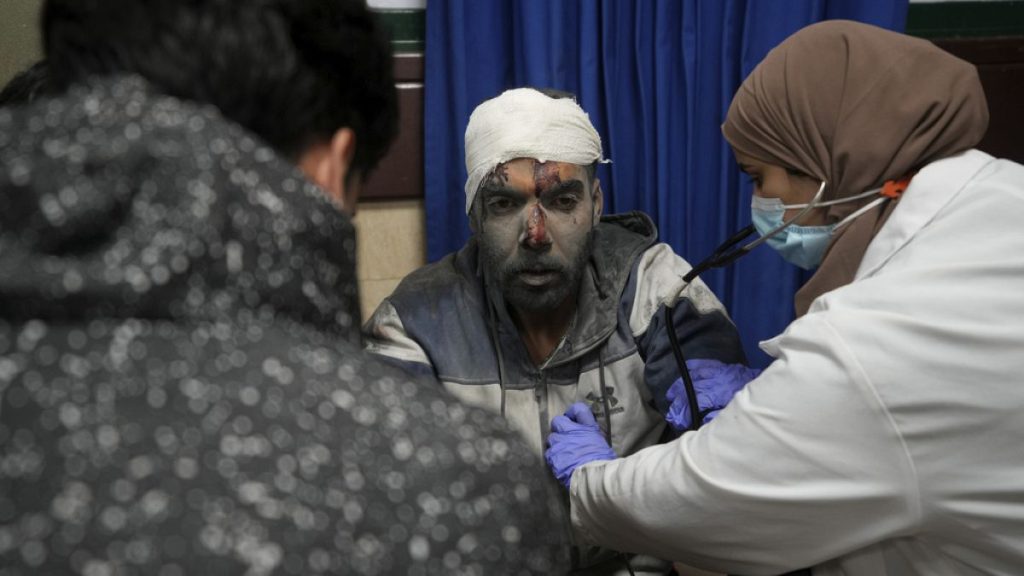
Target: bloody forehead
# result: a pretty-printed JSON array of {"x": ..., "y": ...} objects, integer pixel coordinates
[
  {"x": 498, "y": 176},
  {"x": 546, "y": 175},
  {"x": 530, "y": 177}
]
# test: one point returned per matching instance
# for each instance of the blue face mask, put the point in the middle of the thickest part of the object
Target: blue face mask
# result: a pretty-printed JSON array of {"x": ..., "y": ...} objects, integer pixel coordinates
[{"x": 803, "y": 246}]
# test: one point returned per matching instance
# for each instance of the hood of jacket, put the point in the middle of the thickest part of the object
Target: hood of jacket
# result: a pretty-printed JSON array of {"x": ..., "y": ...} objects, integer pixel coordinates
[{"x": 120, "y": 202}]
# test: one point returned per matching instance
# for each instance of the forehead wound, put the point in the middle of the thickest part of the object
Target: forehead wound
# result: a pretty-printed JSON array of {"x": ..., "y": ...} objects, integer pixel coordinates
[{"x": 546, "y": 175}]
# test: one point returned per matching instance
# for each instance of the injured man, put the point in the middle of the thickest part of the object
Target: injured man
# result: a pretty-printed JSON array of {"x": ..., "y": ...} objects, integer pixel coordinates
[{"x": 550, "y": 302}]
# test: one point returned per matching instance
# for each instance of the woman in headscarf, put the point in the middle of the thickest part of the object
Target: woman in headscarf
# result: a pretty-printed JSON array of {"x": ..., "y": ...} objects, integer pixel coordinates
[{"x": 888, "y": 435}]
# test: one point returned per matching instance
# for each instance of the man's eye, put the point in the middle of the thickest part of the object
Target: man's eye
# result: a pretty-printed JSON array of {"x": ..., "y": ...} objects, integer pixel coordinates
[
  {"x": 499, "y": 204},
  {"x": 565, "y": 202},
  {"x": 754, "y": 180}
]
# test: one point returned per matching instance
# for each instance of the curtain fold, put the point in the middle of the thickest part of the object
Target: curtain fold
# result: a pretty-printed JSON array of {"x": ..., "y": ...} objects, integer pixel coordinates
[{"x": 656, "y": 78}]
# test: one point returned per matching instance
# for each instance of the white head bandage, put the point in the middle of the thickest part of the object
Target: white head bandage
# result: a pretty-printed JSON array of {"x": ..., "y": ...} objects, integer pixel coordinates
[{"x": 525, "y": 123}]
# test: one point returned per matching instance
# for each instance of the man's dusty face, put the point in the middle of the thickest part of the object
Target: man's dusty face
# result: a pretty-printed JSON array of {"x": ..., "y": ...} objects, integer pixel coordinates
[{"x": 535, "y": 223}]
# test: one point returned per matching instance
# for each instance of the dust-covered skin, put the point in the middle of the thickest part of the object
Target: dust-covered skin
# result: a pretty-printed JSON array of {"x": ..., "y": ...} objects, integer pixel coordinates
[{"x": 535, "y": 230}]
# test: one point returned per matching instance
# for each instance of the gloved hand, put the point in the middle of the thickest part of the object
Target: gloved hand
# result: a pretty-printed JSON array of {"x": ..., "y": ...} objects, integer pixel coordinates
[
  {"x": 715, "y": 383},
  {"x": 575, "y": 440}
]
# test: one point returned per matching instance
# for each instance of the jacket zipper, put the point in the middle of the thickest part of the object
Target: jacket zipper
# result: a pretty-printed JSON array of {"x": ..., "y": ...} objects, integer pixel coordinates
[{"x": 540, "y": 393}]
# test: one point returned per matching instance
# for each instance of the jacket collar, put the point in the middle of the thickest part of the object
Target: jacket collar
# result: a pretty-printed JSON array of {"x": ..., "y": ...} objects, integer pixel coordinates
[{"x": 935, "y": 186}]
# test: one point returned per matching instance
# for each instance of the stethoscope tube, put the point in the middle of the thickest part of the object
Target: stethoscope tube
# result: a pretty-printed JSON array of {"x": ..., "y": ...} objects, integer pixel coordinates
[
  {"x": 722, "y": 256},
  {"x": 677, "y": 352}
]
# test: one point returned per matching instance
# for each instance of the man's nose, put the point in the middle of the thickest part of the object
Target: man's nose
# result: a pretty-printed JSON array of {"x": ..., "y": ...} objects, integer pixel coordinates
[{"x": 535, "y": 234}]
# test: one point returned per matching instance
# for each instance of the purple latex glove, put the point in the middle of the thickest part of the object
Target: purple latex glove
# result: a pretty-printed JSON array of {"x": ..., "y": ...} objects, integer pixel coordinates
[
  {"x": 575, "y": 439},
  {"x": 715, "y": 383}
]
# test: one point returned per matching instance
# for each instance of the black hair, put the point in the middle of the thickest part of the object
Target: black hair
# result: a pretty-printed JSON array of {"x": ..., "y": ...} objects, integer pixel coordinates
[
  {"x": 291, "y": 71},
  {"x": 555, "y": 93},
  {"x": 26, "y": 85}
]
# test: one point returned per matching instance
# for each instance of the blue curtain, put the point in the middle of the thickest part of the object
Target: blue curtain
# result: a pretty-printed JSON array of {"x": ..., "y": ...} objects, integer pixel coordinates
[{"x": 656, "y": 77}]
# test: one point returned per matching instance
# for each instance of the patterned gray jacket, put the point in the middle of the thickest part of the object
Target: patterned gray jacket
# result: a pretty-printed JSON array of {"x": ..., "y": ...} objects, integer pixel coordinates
[
  {"x": 182, "y": 388},
  {"x": 616, "y": 356}
]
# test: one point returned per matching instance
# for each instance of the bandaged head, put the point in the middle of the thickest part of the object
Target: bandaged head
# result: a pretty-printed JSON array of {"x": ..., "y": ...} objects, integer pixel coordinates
[{"x": 525, "y": 123}]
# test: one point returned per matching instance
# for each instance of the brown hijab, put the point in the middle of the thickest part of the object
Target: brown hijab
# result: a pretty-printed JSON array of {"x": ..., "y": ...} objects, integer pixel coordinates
[{"x": 855, "y": 105}]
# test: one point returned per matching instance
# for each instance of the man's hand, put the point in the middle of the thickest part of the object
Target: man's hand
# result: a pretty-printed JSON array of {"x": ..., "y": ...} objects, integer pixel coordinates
[
  {"x": 715, "y": 383},
  {"x": 575, "y": 440}
]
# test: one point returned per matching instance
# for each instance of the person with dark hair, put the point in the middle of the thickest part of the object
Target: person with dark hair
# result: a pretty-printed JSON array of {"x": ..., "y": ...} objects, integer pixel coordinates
[
  {"x": 182, "y": 386},
  {"x": 887, "y": 437},
  {"x": 552, "y": 304},
  {"x": 26, "y": 86}
]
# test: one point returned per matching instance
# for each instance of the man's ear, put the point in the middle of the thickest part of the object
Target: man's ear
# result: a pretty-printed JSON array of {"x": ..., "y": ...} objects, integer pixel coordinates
[
  {"x": 598, "y": 202},
  {"x": 328, "y": 164}
]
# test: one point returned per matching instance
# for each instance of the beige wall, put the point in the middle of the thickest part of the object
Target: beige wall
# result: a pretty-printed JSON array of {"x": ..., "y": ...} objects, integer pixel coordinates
[
  {"x": 391, "y": 242},
  {"x": 19, "y": 36}
]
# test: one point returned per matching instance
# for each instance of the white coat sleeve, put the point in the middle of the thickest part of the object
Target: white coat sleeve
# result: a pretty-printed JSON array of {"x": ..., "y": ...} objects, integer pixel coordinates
[{"x": 804, "y": 465}]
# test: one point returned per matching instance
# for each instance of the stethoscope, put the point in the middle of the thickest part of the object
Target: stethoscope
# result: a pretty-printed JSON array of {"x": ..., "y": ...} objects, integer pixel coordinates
[{"x": 724, "y": 255}]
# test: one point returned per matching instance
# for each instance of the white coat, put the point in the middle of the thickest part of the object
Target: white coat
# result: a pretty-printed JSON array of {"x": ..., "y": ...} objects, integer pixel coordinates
[{"x": 888, "y": 435}]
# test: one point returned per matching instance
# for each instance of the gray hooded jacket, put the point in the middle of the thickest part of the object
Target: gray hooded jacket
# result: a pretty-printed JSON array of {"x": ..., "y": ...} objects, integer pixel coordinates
[{"x": 440, "y": 321}]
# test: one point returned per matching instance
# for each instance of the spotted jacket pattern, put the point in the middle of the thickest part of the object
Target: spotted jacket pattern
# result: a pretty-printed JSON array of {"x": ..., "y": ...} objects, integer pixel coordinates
[{"x": 182, "y": 386}]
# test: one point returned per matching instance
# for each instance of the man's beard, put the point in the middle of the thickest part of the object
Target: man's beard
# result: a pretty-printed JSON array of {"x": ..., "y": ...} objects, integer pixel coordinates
[{"x": 522, "y": 296}]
